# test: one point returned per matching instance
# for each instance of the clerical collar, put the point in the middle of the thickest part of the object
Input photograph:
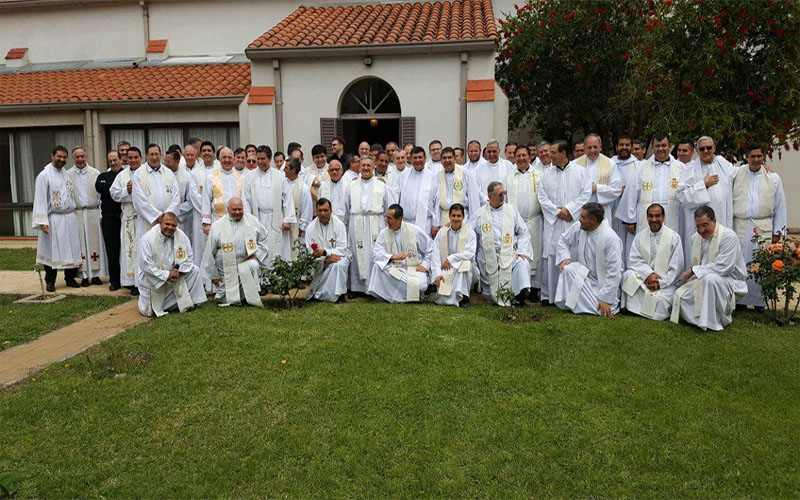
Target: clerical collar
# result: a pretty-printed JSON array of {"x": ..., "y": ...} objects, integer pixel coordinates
[
  {"x": 495, "y": 209},
  {"x": 82, "y": 170},
  {"x": 660, "y": 162},
  {"x": 154, "y": 169},
  {"x": 524, "y": 171},
  {"x": 561, "y": 167}
]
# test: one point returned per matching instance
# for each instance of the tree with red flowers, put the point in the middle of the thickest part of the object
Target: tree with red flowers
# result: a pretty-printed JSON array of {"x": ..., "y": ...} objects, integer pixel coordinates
[{"x": 725, "y": 68}]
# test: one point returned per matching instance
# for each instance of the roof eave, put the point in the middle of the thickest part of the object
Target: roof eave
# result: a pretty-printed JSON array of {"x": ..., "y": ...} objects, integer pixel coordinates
[
  {"x": 138, "y": 103},
  {"x": 391, "y": 49}
]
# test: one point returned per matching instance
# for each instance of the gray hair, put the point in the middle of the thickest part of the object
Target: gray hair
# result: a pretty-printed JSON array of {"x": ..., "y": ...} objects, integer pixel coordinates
[
  {"x": 705, "y": 210},
  {"x": 543, "y": 144},
  {"x": 492, "y": 141},
  {"x": 588, "y": 136},
  {"x": 705, "y": 138},
  {"x": 595, "y": 210},
  {"x": 367, "y": 158},
  {"x": 493, "y": 185}
]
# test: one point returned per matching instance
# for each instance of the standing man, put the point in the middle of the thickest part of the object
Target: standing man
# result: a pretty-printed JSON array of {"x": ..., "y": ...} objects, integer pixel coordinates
[
  {"x": 523, "y": 194},
  {"x": 58, "y": 245},
  {"x": 627, "y": 166},
  {"x": 606, "y": 179},
  {"x": 122, "y": 150},
  {"x": 453, "y": 185},
  {"x": 87, "y": 200},
  {"x": 542, "y": 155},
  {"x": 655, "y": 265},
  {"x": 759, "y": 207},
  {"x": 326, "y": 240},
  {"x": 655, "y": 182},
  {"x": 172, "y": 161},
  {"x": 363, "y": 149},
  {"x": 366, "y": 200},
  {"x": 706, "y": 181},
  {"x": 416, "y": 192},
  {"x": 385, "y": 171},
  {"x": 155, "y": 191},
  {"x": 639, "y": 149},
  {"x": 110, "y": 212},
  {"x": 510, "y": 151},
  {"x": 222, "y": 184},
  {"x": 716, "y": 277},
  {"x": 685, "y": 152},
  {"x": 337, "y": 149},
  {"x": 474, "y": 159},
  {"x": 318, "y": 171},
  {"x": 401, "y": 259},
  {"x": 591, "y": 268},
  {"x": 122, "y": 192},
  {"x": 194, "y": 193},
  {"x": 578, "y": 150},
  {"x": 494, "y": 169},
  {"x": 461, "y": 158},
  {"x": 237, "y": 247},
  {"x": 332, "y": 189},
  {"x": 504, "y": 248},
  {"x": 452, "y": 260},
  {"x": 301, "y": 204},
  {"x": 209, "y": 156},
  {"x": 564, "y": 189},
  {"x": 435, "y": 150}
]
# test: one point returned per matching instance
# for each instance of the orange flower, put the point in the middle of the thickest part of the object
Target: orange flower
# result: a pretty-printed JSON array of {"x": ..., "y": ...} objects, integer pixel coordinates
[
  {"x": 777, "y": 266},
  {"x": 755, "y": 267},
  {"x": 797, "y": 252},
  {"x": 775, "y": 248}
]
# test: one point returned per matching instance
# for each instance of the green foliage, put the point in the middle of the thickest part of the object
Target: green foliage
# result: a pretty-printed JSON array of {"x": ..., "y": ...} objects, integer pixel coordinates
[
  {"x": 725, "y": 68},
  {"x": 7, "y": 485},
  {"x": 776, "y": 267},
  {"x": 285, "y": 276}
]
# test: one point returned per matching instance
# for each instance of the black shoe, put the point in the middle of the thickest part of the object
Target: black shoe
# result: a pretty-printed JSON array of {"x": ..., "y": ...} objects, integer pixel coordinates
[
  {"x": 342, "y": 299},
  {"x": 134, "y": 292},
  {"x": 534, "y": 295},
  {"x": 85, "y": 282},
  {"x": 464, "y": 302},
  {"x": 519, "y": 300},
  {"x": 96, "y": 281},
  {"x": 51, "y": 287},
  {"x": 72, "y": 283},
  {"x": 545, "y": 303},
  {"x": 113, "y": 287},
  {"x": 741, "y": 308},
  {"x": 758, "y": 309}
]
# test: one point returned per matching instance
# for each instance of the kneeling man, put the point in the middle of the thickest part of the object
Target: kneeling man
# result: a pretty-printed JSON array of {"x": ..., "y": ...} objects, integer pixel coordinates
[
  {"x": 326, "y": 239},
  {"x": 400, "y": 260},
  {"x": 167, "y": 275},
  {"x": 654, "y": 267},
  {"x": 590, "y": 256},
  {"x": 504, "y": 247},
  {"x": 236, "y": 248},
  {"x": 716, "y": 278},
  {"x": 451, "y": 260}
]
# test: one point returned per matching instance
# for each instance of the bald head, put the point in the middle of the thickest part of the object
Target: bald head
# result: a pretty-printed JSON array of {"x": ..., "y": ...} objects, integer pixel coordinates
[
  {"x": 235, "y": 208},
  {"x": 226, "y": 158}
]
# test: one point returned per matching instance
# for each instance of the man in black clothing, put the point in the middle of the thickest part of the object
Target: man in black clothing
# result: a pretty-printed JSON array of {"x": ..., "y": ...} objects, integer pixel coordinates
[
  {"x": 110, "y": 217},
  {"x": 337, "y": 150}
]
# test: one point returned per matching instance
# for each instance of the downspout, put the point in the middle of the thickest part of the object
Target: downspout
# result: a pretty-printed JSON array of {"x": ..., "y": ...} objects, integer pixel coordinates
[
  {"x": 88, "y": 128},
  {"x": 462, "y": 136},
  {"x": 276, "y": 66}
]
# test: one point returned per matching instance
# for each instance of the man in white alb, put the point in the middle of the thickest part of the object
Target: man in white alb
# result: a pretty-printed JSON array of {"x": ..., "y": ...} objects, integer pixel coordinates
[
  {"x": 416, "y": 192},
  {"x": 494, "y": 169},
  {"x": 452, "y": 260},
  {"x": 122, "y": 192},
  {"x": 87, "y": 200},
  {"x": 155, "y": 191},
  {"x": 326, "y": 240}
]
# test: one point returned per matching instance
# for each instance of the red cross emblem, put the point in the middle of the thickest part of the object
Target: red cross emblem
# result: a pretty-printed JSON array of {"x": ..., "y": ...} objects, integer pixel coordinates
[{"x": 95, "y": 256}]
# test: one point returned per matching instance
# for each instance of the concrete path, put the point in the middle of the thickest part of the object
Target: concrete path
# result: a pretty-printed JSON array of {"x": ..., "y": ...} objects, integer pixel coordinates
[
  {"x": 18, "y": 362},
  {"x": 27, "y": 283},
  {"x": 17, "y": 243}
]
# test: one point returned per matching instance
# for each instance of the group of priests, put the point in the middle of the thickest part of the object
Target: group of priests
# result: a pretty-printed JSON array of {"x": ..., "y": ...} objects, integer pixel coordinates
[{"x": 660, "y": 237}]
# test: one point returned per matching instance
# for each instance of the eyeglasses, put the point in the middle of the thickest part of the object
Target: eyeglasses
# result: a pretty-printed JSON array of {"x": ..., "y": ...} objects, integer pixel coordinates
[
  {"x": 705, "y": 148},
  {"x": 252, "y": 161}
]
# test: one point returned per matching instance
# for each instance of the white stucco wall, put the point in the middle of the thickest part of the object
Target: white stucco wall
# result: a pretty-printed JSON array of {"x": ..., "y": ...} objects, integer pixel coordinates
[
  {"x": 787, "y": 167},
  {"x": 74, "y": 34}
]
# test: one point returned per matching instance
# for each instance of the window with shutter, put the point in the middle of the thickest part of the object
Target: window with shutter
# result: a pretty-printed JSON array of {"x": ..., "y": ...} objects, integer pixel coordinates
[
  {"x": 408, "y": 130},
  {"x": 328, "y": 129}
]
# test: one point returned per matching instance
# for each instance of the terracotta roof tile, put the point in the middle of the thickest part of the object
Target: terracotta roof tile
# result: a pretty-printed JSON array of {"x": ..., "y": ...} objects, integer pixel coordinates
[
  {"x": 125, "y": 84},
  {"x": 17, "y": 53},
  {"x": 417, "y": 22},
  {"x": 156, "y": 46}
]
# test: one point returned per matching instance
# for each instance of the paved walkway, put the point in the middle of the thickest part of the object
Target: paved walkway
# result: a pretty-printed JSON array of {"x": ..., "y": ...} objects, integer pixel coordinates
[
  {"x": 27, "y": 283},
  {"x": 17, "y": 243},
  {"x": 17, "y": 362}
]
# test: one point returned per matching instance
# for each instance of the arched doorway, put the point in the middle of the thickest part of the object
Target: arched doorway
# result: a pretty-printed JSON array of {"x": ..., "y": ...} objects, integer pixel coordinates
[{"x": 369, "y": 110}]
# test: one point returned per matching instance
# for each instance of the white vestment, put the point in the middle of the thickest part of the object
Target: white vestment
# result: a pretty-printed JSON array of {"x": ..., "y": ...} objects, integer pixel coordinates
[
  {"x": 194, "y": 194},
  {"x": 523, "y": 193},
  {"x": 155, "y": 191},
  {"x": 158, "y": 255},
  {"x": 221, "y": 186},
  {"x": 329, "y": 281},
  {"x": 185, "y": 208},
  {"x": 607, "y": 179},
  {"x": 128, "y": 238},
  {"x": 87, "y": 199},
  {"x": 759, "y": 204},
  {"x": 54, "y": 206},
  {"x": 458, "y": 186},
  {"x": 303, "y": 211},
  {"x": 335, "y": 193},
  {"x": 595, "y": 272},
  {"x": 709, "y": 298},
  {"x": 627, "y": 169},
  {"x": 416, "y": 198},
  {"x": 391, "y": 178},
  {"x": 693, "y": 193},
  {"x": 271, "y": 201},
  {"x": 366, "y": 203},
  {"x": 234, "y": 251},
  {"x": 503, "y": 243},
  {"x": 458, "y": 248},
  {"x": 660, "y": 253},
  {"x": 487, "y": 173},
  {"x": 472, "y": 167},
  {"x": 400, "y": 281},
  {"x": 569, "y": 187}
]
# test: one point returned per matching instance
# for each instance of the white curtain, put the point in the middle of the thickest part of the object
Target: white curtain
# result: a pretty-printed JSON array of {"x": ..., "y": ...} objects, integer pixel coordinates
[
  {"x": 69, "y": 139},
  {"x": 166, "y": 137},
  {"x": 22, "y": 180},
  {"x": 135, "y": 136},
  {"x": 217, "y": 135},
  {"x": 234, "y": 133}
]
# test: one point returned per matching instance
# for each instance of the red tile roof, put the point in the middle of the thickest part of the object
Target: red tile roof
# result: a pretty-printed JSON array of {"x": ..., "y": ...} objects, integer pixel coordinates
[
  {"x": 348, "y": 25},
  {"x": 17, "y": 53},
  {"x": 156, "y": 46},
  {"x": 261, "y": 95},
  {"x": 125, "y": 84}
]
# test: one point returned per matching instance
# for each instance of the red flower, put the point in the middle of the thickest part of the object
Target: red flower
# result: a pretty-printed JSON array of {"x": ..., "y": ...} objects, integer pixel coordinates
[
  {"x": 314, "y": 246},
  {"x": 689, "y": 123},
  {"x": 709, "y": 71},
  {"x": 570, "y": 15},
  {"x": 579, "y": 65},
  {"x": 720, "y": 43},
  {"x": 750, "y": 93},
  {"x": 667, "y": 2},
  {"x": 626, "y": 56},
  {"x": 650, "y": 49},
  {"x": 649, "y": 28},
  {"x": 796, "y": 146},
  {"x": 689, "y": 85},
  {"x": 716, "y": 20}
]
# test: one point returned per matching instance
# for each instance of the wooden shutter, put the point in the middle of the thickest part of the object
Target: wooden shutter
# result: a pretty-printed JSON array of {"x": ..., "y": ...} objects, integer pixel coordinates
[
  {"x": 408, "y": 130},
  {"x": 328, "y": 129}
]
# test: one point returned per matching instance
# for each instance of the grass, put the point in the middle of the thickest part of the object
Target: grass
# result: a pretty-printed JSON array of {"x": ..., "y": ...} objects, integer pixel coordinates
[
  {"x": 412, "y": 401},
  {"x": 17, "y": 259},
  {"x": 22, "y": 323}
]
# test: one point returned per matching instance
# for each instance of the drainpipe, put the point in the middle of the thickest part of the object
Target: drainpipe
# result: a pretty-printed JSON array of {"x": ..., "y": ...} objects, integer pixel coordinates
[
  {"x": 276, "y": 66},
  {"x": 145, "y": 22},
  {"x": 88, "y": 134},
  {"x": 98, "y": 142},
  {"x": 463, "y": 101}
]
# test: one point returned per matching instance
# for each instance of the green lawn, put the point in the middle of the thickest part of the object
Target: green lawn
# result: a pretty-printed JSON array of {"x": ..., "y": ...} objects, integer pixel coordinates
[
  {"x": 21, "y": 323},
  {"x": 17, "y": 259},
  {"x": 412, "y": 402}
]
